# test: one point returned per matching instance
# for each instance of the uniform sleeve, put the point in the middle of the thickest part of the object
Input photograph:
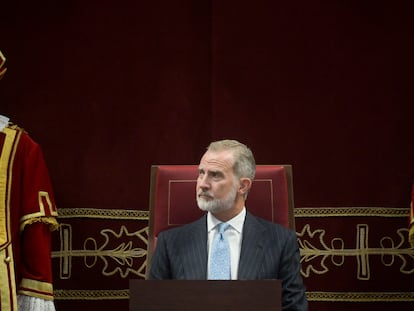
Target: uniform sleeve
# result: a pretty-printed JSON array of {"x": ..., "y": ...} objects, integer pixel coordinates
[{"x": 37, "y": 220}]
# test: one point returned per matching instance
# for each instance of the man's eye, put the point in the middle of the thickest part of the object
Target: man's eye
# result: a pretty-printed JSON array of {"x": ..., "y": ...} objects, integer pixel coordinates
[{"x": 215, "y": 175}]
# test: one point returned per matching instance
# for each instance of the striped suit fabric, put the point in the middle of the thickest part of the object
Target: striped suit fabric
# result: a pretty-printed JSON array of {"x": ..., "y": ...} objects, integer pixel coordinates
[{"x": 268, "y": 251}]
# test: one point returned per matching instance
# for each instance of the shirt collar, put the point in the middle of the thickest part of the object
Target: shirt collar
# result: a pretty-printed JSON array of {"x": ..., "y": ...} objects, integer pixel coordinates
[{"x": 236, "y": 222}]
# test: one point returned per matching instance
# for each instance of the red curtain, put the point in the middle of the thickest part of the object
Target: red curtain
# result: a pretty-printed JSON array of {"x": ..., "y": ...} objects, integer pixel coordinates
[{"x": 110, "y": 89}]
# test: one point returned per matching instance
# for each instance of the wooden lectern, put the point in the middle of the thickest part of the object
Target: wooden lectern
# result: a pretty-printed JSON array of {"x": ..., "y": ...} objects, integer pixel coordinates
[{"x": 202, "y": 295}]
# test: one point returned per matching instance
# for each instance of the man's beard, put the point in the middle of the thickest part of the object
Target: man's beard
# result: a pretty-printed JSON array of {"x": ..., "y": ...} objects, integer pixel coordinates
[{"x": 217, "y": 205}]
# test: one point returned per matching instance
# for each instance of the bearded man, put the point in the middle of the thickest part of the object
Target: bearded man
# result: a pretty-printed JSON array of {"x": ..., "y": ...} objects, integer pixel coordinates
[{"x": 256, "y": 248}]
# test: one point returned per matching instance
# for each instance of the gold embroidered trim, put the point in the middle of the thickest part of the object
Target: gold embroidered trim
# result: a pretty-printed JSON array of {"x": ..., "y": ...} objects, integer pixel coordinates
[
  {"x": 299, "y": 212},
  {"x": 7, "y": 289},
  {"x": 52, "y": 211},
  {"x": 43, "y": 290},
  {"x": 6, "y": 165},
  {"x": 103, "y": 213},
  {"x": 351, "y": 212},
  {"x": 51, "y": 221},
  {"x": 361, "y": 296},
  {"x": 2, "y": 61},
  {"x": 8, "y": 296},
  {"x": 117, "y": 246},
  {"x": 68, "y": 294}
]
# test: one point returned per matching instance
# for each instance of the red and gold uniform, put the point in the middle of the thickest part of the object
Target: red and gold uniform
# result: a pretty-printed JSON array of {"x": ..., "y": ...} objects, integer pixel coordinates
[{"x": 27, "y": 217}]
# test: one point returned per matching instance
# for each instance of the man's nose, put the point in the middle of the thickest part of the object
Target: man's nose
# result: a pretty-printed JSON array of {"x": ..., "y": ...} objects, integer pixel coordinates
[{"x": 203, "y": 182}]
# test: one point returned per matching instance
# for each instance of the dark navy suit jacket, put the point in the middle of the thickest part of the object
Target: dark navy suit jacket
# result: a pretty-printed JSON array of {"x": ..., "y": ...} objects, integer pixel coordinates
[{"x": 268, "y": 251}]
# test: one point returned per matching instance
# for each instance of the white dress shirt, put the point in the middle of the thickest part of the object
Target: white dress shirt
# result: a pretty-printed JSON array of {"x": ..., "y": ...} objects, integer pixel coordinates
[{"x": 234, "y": 236}]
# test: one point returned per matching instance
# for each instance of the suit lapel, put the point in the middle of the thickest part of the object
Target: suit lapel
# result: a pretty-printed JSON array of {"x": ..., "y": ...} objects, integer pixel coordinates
[
  {"x": 251, "y": 255},
  {"x": 195, "y": 251}
]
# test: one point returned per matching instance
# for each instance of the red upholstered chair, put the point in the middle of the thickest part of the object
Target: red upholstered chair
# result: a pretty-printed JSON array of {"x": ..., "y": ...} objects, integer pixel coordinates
[{"x": 173, "y": 197}]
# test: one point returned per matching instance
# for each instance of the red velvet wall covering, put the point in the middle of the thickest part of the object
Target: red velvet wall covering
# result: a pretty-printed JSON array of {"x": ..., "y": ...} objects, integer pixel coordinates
[{"x": 109, "y": 88}]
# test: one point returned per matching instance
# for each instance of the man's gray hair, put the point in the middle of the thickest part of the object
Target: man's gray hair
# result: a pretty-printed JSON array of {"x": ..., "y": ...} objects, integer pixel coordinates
[{"x": 244, "y": 164}]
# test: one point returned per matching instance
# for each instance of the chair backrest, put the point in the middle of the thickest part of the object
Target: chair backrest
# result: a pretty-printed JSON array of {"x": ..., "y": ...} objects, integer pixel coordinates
[{"x": 173, "y": 197}]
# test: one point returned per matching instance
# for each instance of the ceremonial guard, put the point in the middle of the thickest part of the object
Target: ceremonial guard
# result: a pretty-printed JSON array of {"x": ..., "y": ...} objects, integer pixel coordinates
[{"x": 27, "y": 218}]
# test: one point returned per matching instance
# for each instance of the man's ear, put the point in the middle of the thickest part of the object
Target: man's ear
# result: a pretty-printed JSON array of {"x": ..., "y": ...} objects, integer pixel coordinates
[{"x": 245, "y": 185}]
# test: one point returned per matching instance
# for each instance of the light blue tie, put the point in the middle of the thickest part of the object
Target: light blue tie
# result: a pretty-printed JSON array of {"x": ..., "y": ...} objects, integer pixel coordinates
[{"x": 220, "y": 255}]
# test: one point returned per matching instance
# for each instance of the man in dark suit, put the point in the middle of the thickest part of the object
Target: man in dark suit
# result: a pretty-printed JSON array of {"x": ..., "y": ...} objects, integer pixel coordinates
[{"x": 258, "y": 249}]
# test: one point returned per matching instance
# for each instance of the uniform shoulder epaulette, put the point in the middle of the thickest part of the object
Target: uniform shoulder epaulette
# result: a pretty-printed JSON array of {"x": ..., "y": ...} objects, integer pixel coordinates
[{"x": 15, "y": 127}]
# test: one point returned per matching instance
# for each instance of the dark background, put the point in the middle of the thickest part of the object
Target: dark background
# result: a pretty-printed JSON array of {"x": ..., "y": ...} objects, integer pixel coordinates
[{"x": 109, "y": 88}]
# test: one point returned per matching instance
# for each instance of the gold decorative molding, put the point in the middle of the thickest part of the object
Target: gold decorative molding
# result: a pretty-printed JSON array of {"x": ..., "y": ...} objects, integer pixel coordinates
[
  {"x": 2, "y": 61},
  {"x": 317, "y": 253},
  {"x": 125, "y": 254},
  {"x": 82, "y": 294},
  {"x": 299, "y": 212},
  {"x": 312, "y": 296},
  {"x": 351, "y": 212},
  {"x": 103, "y": 213},
  {"x": 361, "y": 296}
]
